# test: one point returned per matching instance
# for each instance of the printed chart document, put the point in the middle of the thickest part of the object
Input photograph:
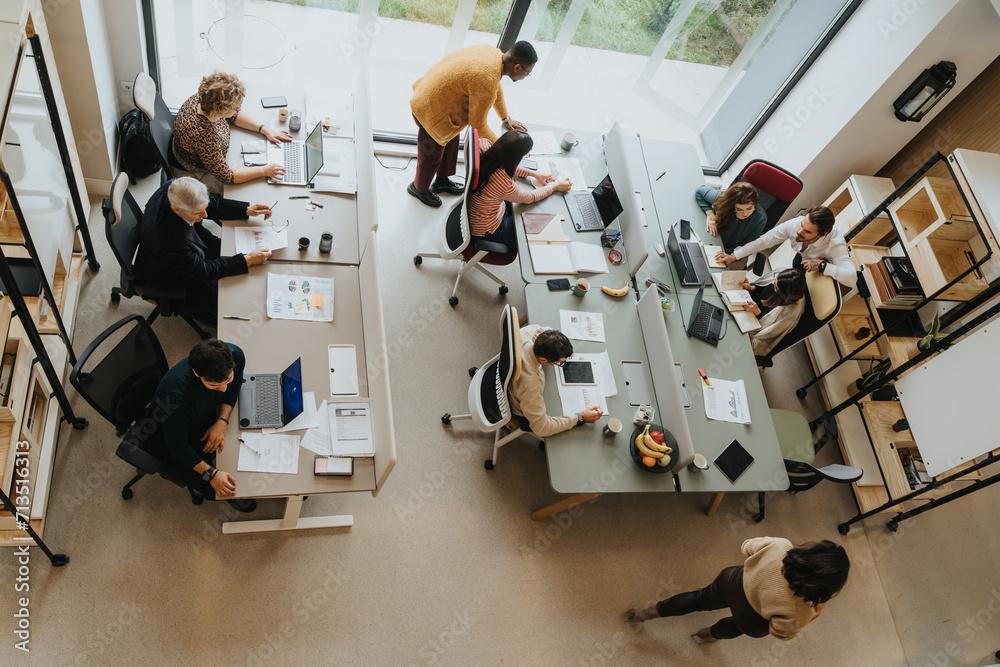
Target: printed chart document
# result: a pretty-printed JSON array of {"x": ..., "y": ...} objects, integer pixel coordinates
[
  {"x": 309, "y": 418},
  {"x": 726, "y": 401},
  {"x": 318, "y": 439},
  {"x": 602, "y": 370},
  {"x": 565, "y": 258},
  {"x": 576, "y": 398},
  {"x": 544, "y": 143},
  {"x": 249, "y": 239},
  {"x": 562, "y": 167},
  {"x": 710, "y": 252},
  {"x": 276, "y": 453},
  {"x": 350, "y": 429},
  {"x": 580, "y": 325},
  {"x": 291, "y": 297}
]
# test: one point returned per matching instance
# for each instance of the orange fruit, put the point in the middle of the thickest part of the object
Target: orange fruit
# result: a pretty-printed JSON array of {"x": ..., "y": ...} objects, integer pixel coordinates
[{"x": 648, "y": 461}]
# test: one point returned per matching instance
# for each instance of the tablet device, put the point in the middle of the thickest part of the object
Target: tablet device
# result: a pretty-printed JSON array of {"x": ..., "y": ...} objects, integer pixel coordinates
[
  {"x": 578, "y": 373},
  {"x": 733, "y": 460}
]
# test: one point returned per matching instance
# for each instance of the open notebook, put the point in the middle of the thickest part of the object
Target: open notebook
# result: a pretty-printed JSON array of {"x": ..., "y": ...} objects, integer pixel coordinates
[
  {"x": 726, "y": 281},
  {"x": 552, "y": 252}
]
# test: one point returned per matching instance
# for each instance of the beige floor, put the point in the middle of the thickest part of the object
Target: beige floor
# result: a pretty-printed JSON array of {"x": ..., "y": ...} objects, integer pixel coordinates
[{"x": 445, "y": 567}]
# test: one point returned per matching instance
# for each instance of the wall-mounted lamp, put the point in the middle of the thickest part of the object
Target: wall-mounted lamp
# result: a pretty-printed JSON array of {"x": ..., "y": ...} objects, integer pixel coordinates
[{"x": 928, "y": 88}]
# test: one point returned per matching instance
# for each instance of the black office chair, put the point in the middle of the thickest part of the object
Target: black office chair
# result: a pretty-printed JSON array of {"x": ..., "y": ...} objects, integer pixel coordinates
[
  {"x": 798, "y": 451},
  {"x": 122, "y": 215},
  {"x": 161, "y": 121},
  {"x": 823, "y": 301},
  {"x": 119, "y": 385},
  {"x": 776, "y": 188}
]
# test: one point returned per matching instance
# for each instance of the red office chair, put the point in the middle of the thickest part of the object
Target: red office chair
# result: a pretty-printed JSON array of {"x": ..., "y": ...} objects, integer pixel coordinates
[
  {"x": 776, "y": 188},
  {"x": 454, "y": 236}
]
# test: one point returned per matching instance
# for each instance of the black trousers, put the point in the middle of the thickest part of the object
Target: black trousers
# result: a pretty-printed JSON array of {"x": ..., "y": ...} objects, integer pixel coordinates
[{"x": 725, "y": 591}]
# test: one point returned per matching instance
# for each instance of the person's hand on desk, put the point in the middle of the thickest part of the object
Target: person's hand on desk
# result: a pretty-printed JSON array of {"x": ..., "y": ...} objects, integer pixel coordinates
[
  {"x": 752, "y": 307},
  {"x": 223, "y": 483},
  {"x": 215, "y": 436},
  {"x": 275, "y": 136},
  {"x": 512, "y": 124},
  {"x": 725, "y": 258},
  {"x": 259, "y": 209},
  {"x": 273, "y": 170},
  {"x": 258, "y": 256},
  {"x": 710, "y": 224},
  {"x": 591, "y": 415},
  {"x": 562, "y": 185}
]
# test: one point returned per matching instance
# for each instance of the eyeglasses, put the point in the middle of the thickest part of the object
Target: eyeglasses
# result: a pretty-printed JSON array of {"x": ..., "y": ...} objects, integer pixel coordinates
[
  {"x": 281, "y": 228},
  {"x": 556, "y": 363},
  {"x": 524, "y": 69}
]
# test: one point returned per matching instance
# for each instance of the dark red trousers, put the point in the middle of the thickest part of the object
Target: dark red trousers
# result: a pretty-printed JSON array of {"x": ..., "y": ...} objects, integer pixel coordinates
[{"x": 433, "y": 159}]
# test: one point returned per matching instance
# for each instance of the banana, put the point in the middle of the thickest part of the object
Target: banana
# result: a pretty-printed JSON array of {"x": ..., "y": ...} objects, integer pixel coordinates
[
  {"x": 621, "y": 291},
  {"x": 653, "y": 444},
  {"x": 646, "y": 451}
]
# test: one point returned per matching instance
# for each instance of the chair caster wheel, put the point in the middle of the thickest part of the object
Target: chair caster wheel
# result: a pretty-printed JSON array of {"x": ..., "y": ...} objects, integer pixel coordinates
[
  {"x": 488, "y": 465},
  {"x": 472, "y": 372},
  {"x": 80, "y": 423},
  {"x": 800, "y": 393},
  {"x": 116, "y": 295},
  {"x": 892, "y": 526},
  {"x": 453, "y": 301},
  {"x": 446, "y": 418},
  {"x": 813, "y": 426},
  {"x": 418, "y": 260},
  {"x": 843, "y": 529},
  {"x": 127, "y": 494},
  {"x": 503, "y": 289}
]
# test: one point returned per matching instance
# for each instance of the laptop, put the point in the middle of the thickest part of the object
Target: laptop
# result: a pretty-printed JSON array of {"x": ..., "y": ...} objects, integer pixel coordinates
[
  {"x": 594, "y": 210},
  {"x": 301, "y": 160},
  {"x": 271, "y": 400},
  {"x": 689, "y": 260},
  {"x": 706, "y": 319}
]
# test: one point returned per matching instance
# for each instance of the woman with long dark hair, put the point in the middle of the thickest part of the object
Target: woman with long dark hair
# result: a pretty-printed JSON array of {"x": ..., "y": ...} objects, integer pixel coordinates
[
  {"x": 491, "y": 215},
  {"x": 778, "y": 590},
  {"x": 733, "y": 214},
  {"x": 778, "y": 304}
]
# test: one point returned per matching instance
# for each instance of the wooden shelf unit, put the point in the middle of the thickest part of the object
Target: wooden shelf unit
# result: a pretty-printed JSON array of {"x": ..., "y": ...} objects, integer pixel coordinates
[{"x": 854, "y": 200}]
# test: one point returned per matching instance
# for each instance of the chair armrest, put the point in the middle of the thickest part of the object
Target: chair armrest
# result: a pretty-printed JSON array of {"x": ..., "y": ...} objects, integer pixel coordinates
[
  {"x": 764, "y": 362},
  {"x": 136, "y": 457},
  {"x": 490, "y": 246},
  {"x": 838, "y": 473}
]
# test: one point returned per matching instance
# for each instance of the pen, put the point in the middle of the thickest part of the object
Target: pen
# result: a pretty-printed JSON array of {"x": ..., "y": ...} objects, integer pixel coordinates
[
  {"x": 300, "y": 197},
  {"x": 661, "y": 176},
  {"x": 249, "y": 447},
  {"x": 235, "y": 317},
  {"x": 273, "y": 205},
  {"x": 704, "y": 377},
  {"x": 317, "y": 204}
]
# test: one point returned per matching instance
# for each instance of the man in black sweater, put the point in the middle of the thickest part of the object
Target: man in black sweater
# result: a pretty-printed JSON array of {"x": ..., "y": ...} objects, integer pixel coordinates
[
  {"x": 191, "y": 410},
  {"x": 175, "y": 249}
]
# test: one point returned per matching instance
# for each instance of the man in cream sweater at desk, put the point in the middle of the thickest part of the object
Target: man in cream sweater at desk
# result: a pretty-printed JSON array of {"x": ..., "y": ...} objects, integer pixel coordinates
[{"x": 821, "y": 247}]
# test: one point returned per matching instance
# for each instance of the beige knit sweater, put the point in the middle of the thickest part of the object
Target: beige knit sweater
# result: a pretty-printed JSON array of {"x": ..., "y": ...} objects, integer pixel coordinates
[
  {"x": 527, "y": 393},
  {"x": 459, "y": 91},
  {"x": 767, "y": 589}
]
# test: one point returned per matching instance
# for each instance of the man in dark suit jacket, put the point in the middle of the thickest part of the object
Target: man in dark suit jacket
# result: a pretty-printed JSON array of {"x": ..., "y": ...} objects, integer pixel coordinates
[{"x": 175, "y": 248}]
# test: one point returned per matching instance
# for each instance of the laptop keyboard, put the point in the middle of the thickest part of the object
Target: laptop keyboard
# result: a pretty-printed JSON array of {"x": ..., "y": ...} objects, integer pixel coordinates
[
  {"x": 293, "y": 163},
  {"x": 267, "y": 410},
  {"x": 690, "y": 275},
  {"x": 702, "y": 322},
  {"x": 585, "y": 214}
]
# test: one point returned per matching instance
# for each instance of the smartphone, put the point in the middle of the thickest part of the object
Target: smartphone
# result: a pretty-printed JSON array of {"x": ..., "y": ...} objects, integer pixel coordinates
[
  {"x": 557, "y": 283},
  {"x": 685, "y": 229},
  {"x": 272, "y": 102}
]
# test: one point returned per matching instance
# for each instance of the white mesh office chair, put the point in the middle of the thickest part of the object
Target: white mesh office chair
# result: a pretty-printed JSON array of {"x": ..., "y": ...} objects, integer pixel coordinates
[
  {"x": 489, "y": 408},
  {"x": 454, "y": 236}
]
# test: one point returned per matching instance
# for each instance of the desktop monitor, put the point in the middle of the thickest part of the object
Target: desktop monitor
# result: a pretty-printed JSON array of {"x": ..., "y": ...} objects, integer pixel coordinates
[
  {"x": 630, "y": 221},
  {"x": 314, "y": 152}
]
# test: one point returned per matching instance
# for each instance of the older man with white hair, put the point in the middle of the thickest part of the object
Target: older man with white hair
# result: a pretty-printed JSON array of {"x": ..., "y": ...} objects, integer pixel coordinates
[{"x": 175, "y": 248}]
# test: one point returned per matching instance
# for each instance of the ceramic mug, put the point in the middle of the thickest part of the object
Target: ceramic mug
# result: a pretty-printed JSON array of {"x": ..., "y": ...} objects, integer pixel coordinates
[
  {"x": 581, "y": 287},
  {"x": 613, "y": 427},
  {"x": 569, "y": 141}
]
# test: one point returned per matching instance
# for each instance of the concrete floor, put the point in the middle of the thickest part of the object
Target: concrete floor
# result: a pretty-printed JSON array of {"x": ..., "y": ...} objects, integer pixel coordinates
[{"x": 445, "y": 567}]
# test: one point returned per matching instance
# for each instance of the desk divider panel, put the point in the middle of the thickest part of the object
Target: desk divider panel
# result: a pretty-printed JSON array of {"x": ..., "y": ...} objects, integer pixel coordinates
[
  {"x": 376, "y": 364},
  {"x": 364, "y": 151}
]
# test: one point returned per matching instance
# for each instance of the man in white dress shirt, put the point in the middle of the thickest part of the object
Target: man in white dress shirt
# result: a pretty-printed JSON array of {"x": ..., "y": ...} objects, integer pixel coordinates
[{"x": 821, "y": 247}]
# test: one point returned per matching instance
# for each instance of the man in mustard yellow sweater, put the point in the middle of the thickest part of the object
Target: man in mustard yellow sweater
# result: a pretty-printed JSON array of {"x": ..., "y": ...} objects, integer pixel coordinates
[{"x": 456, "y": 92}]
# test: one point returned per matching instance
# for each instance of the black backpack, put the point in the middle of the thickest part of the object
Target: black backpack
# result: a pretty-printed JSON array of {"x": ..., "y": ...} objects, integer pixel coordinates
[{"x": 139, "y": 155}]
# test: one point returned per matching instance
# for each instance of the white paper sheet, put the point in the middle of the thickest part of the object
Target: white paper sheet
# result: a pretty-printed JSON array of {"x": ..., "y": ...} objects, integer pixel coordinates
[
  {"x": 318, "y": 439},
  {"x": 544, "y": 143},
  {"x": 307, "y": 419},
  {"x": 249, "y": 239},
  {"x": 350, "y": 429},
  {"x": 338, "y": 105},
  {"x": 563, "y": 167},
  {"x": 588, "y": 258},
  {"x": 726, "y": 401},
  {"x": 577, "y": 399},
  {"x": 276, "y": 453},
  {"x": 602, "y": 370},
  {"x": 581, "y": 325},
  {"x": 292, "y": 297}
]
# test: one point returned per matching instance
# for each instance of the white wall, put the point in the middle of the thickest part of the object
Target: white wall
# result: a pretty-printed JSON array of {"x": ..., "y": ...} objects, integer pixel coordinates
[
  {"x": 839, "y": 119},
  {"x": 127, "y": 44}
]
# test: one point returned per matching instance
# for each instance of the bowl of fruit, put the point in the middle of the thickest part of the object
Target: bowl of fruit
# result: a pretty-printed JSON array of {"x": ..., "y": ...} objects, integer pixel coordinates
[{"x": 652, "y": 448}]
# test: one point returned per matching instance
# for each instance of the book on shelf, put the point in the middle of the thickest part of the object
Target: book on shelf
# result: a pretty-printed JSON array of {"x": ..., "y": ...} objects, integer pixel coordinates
[
  {"x": 888, "y": 292},
  {"x": 901, "y": 271}
]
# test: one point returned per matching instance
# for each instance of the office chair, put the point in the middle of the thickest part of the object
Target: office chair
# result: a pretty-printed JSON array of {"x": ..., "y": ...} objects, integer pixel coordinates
[
  {"x": 120, "y": 385},
  {"x": 797, "y": 449},
  {"x": 776, "y": 188},
  {"x": 122, "y": 215},
  {"x": 823, "y": 301},
  {"x": 489, "y": 409},
  {"x": 161, "y": 121},
  {"x": 454, "y": 236}
]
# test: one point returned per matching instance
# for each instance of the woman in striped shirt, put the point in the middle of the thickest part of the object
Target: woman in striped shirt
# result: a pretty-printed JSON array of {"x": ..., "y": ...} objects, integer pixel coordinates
[{"x": 491, "y": 215}]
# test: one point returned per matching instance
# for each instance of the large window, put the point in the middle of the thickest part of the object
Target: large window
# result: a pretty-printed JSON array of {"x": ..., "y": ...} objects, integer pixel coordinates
[{"x": 699, "y": 71}]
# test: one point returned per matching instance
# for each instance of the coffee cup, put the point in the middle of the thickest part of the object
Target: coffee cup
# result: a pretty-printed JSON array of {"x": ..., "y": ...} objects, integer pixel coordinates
[
  {"x": 569, "y": 140},
  {"x": 700, "y": 463},
  {"x": 326, "y": 243},
  {"x": 303, "y": 243},
  {"x": 613, "y": 427},
  {"x": 282, "y": 115},
  {"x": 581, "y": 287}
]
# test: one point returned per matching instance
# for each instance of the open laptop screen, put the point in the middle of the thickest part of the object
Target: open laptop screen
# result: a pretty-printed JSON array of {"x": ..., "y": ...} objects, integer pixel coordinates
[
  {"x": 291, "y": 391},
  {"x": 606, "y": 200},
  {"x": 314, "y": 152}
]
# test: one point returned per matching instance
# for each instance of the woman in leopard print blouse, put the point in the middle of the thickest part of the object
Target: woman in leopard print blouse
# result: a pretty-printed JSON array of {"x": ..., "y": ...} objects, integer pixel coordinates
[{"x": 201, "y": 132}]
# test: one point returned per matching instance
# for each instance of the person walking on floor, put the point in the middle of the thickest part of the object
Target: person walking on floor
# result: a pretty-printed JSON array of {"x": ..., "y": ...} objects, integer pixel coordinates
[{"x": 779, "y": 590}]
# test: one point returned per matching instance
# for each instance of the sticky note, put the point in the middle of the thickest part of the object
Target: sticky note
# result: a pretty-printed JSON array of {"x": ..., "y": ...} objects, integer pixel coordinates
[
  {"x": 299, "y": 307},
  {"x": 317, "y": 301}
]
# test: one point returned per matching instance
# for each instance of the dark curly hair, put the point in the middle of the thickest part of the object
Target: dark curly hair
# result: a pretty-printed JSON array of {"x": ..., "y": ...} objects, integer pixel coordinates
[
  {"x": 212, "y": 359},
  {"x": 816, "y": 571},
  {"x": 552, "y": 345}
]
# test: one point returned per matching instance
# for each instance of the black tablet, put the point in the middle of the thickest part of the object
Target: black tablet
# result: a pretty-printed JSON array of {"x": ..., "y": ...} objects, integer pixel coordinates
[
  {"x": 734, "y": 460},
  {"x": 578, "y": 372}
]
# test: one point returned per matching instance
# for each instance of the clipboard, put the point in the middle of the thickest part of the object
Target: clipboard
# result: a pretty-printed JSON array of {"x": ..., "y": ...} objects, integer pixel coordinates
[{"x": 343, "y": 370}]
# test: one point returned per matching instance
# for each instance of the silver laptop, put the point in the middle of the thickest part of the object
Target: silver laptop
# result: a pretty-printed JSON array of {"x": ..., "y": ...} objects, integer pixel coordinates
[
  {"x": 302, "y": 160},
  {"x": 594, "y": 210},
  {"x": 271, "y": 400}
]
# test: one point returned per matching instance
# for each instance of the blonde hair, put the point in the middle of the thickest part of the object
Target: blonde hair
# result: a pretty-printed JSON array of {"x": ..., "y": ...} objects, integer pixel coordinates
[{"x": 219, "y": 92}]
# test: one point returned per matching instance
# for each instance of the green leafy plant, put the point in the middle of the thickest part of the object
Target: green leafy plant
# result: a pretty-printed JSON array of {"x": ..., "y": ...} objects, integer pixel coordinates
[{"x": 932, "y": 338}]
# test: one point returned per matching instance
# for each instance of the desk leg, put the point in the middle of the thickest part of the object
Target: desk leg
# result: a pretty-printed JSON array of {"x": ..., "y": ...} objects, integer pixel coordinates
[
  {"x": 562, "y": 505},
  {"x": 290, "y": 521},
  {"x": 714, "y": 505}
]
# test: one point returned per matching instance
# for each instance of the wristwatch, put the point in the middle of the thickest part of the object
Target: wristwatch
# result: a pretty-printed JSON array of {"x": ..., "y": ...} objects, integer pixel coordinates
[
  {"x": 822, "y": 266},
  {"x": 579, "y": 420},
  {"x": 208, "y": 474}
]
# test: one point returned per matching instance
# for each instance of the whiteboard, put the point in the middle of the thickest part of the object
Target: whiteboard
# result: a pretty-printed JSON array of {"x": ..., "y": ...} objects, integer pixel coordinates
[{"x": 949, "y": 404}]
